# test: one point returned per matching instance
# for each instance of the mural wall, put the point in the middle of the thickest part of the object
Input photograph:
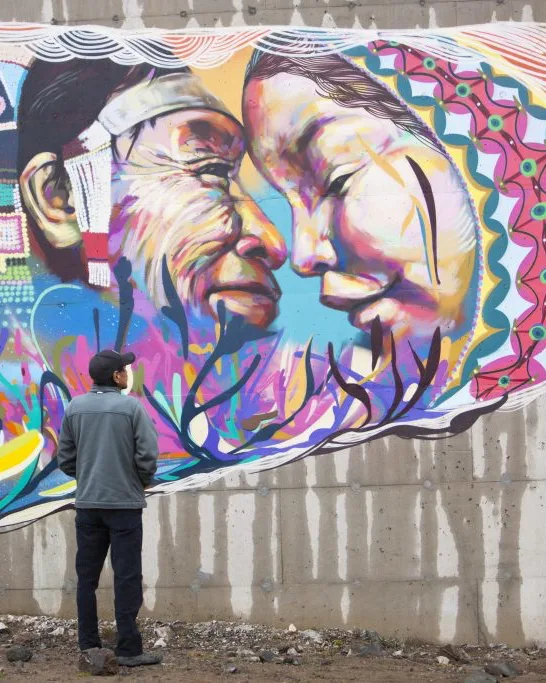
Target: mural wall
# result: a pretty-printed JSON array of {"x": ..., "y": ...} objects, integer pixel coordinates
[{"x": 309, "y": 238}]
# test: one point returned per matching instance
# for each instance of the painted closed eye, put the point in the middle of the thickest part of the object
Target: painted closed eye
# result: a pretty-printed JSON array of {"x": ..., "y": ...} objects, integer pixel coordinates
[
  {"x": 336, "y": 187},
  {"x": 217, "y": 169}
]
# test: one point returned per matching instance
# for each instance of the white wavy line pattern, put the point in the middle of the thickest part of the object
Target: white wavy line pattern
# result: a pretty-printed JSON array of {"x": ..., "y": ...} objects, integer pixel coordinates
[
  {"x": 206, "y": 48},
  {"x": 209, "y": 48}
]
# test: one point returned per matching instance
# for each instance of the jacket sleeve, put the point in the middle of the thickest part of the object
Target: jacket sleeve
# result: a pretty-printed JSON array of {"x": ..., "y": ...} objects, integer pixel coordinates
[
  {"x": 66, "y": 450},
  {"x": 146, "y": 448}
]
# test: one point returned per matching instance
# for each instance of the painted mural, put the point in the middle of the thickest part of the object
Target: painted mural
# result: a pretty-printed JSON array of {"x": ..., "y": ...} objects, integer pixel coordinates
[{"x": 309, "y": 238}]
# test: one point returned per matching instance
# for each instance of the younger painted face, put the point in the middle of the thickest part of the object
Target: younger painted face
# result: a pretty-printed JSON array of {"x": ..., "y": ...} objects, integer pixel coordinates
[
  {"x": 175, "y": 193},
  {"x": 379, "y": 216}
]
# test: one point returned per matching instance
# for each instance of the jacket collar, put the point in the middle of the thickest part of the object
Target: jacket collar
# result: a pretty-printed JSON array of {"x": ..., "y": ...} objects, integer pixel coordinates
[{"x": 99, "y": 389}]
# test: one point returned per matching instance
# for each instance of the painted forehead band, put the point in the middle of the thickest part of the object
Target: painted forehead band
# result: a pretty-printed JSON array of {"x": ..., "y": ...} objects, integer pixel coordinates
[{"x": 153, "y": 98}]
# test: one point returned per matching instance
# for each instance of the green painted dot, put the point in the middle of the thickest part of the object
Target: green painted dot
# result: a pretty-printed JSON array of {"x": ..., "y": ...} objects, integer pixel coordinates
[
  {"x": 394, "y": 43},
  {"x": 543, "y": 277},
  {"x": 429, "y": 63},
  {"x": 537, "y": 332},
  {"x": 504, "y": 381},
  {"x": 463, "y": 90},
  {"x": 528, "y": 167},
  {"x": 495, "y": 122},
  {"x": 6, "y": 195},
  {"x": 538, "y": 212}
]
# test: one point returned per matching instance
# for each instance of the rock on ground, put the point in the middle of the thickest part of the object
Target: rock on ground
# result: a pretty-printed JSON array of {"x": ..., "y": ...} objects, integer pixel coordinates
[
  {"x": 502, "y": 669},
  {"x": 372, "y": 650},
  {"x": 18, "y": 653},
  {"x": 98, "y": 662},
  {"x": 480, "y": 677}
]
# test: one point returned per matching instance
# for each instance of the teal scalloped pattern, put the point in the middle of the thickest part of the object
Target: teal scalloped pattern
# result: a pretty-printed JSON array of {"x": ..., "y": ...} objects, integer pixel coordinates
[{"x": 490, "y": 314}]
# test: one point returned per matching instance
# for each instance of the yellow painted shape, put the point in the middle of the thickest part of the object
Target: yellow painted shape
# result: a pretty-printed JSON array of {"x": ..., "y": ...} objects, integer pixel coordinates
[
  {"x": 201, "y": 350},
  {"x": 61, "y": 490},
  {"x": 282, "y": 436},
  {"x": 381, "y": 162},
  {"x": 17, "y": 454},
  {"x": 178, "y": 455},
  {"x": 297, "y": 386},
  {"x": 409, "y": 218},
  {"x": 61, "y": 346}
]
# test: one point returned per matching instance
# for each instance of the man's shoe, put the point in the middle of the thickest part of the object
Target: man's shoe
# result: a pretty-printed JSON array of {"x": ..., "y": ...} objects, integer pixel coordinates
[{"x": 140, "y": 660}]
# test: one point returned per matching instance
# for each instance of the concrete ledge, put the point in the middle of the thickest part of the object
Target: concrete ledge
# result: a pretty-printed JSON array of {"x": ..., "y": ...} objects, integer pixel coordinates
[
  {"x": 434, "y": 610},
  {"x": 441, "y": 610}
]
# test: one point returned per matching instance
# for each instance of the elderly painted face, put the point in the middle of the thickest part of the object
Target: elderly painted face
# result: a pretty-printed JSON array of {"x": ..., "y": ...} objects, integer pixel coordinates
[
  {"x": 379, "y": 216},
  {"x": 174, "y": 194}
]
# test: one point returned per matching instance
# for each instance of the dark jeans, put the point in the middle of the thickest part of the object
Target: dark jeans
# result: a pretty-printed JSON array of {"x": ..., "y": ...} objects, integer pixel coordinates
[{"x": 121, "y": 531}]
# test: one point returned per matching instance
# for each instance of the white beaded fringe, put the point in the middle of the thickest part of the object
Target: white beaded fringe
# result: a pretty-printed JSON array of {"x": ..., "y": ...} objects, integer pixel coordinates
[
  {"x": 99, "y": 273},
  {"x": 90, "y": 177}
]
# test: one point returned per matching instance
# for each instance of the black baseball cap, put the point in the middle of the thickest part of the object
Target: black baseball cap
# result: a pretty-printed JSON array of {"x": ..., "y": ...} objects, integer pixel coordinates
[{"x": 103, "y": 365}]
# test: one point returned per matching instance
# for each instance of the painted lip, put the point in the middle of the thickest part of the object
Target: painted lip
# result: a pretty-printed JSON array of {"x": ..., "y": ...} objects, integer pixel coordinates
[
  {"x": 257, "y": 288},
  {"x": 344, "y": 292}
]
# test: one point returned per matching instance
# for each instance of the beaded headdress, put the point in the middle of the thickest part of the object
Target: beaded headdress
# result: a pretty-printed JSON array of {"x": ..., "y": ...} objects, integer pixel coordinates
[
  {"x": 88, "y": 159},
  {"x": 16, "y": 287}
]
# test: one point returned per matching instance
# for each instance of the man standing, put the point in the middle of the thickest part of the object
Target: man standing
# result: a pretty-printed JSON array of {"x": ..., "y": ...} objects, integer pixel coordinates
[{"x": 109, "y": 445}]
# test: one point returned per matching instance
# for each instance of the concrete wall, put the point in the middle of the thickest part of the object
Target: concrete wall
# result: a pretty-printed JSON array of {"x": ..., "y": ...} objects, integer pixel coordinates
[
  {"x": 441, "y": 540},
  {"x": 330, "y": 13}
]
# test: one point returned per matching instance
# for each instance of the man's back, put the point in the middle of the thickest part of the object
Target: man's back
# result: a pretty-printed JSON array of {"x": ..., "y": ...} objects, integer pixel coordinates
[{"x": 109, "y": 445}]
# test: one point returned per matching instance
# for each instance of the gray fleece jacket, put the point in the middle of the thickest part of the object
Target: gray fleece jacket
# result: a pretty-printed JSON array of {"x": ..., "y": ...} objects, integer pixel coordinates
[{"x": 109, "y": 444}]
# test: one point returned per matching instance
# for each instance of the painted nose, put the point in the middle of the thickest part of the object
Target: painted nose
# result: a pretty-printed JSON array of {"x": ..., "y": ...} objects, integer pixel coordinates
[
  {"x": 312, "y": 250},
  {"x": 259, "y": 238}
]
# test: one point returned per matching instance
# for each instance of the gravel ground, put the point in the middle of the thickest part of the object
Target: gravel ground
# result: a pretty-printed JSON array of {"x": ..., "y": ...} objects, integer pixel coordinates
[{"x": 220, "y": 651}]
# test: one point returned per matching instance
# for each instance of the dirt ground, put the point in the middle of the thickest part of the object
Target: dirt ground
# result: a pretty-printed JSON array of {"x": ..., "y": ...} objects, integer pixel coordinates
[{"x": 218, "y": 651}]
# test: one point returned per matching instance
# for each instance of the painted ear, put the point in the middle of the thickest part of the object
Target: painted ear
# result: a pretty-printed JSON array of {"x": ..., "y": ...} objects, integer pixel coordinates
[{"x": 49, "y": 199}]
